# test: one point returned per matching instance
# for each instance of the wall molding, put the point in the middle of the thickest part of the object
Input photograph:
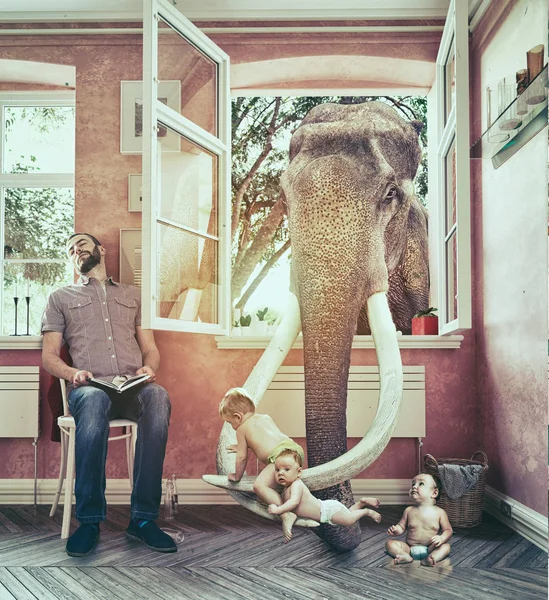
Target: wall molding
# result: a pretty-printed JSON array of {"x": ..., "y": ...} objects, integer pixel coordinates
[
  {"x": 525, "y": 521},
  {"x": 441, "y": 342},
  {"x": 191, "y": 491}
]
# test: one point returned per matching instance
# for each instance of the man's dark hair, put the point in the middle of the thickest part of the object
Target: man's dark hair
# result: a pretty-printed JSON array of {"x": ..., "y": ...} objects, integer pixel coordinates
[{"x": 92, "y": 238}]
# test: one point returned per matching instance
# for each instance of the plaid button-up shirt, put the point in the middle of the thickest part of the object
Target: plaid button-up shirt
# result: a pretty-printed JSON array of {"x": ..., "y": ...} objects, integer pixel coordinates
[{"x": 99, "y": 326}]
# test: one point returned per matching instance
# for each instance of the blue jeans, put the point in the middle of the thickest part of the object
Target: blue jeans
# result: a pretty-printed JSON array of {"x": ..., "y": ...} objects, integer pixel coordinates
[{"x": 92, "y": 409}]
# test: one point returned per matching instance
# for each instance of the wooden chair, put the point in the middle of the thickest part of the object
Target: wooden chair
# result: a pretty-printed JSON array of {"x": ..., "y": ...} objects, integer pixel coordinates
[{"x": 66, "y": 470}]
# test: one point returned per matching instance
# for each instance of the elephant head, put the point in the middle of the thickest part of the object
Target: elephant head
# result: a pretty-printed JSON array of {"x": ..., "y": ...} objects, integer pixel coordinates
[
  {"x": 356, "y": 230},
  {"x": 359, "y": 245}
]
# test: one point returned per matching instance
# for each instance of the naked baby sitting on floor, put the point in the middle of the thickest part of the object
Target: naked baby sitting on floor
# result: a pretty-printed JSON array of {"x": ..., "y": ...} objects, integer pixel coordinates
[
  {"x": 297, "y": 497},
  {"x": 427, "y": 527}
]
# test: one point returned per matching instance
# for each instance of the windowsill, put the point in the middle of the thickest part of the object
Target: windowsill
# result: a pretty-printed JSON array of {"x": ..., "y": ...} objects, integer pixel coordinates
[
  {"x": 21, "y": 342},
  {"x": 441, "y": 342}
]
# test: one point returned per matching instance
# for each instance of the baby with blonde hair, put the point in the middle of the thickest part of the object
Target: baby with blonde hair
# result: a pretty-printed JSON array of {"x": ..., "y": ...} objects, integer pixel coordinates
[{"x": 261, "y": 435}]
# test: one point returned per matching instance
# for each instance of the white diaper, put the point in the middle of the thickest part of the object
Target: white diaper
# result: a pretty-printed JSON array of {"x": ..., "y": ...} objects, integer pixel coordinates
[{"x": 328, "y": 508}]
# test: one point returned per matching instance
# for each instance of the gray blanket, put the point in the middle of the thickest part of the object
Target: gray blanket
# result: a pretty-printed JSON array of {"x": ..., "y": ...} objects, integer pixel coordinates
[{"x": 458, "y": 479}]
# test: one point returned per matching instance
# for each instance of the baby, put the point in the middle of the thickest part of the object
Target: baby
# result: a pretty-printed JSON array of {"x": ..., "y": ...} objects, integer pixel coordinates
[
  {"x": 298, "y": 498},
  {"x": 261, "y": 434},
  {"x": 427, "y": 526}
]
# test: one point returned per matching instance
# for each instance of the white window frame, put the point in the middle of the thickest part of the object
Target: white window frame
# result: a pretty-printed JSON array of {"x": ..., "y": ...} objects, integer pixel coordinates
[
  {"x": 28, "y": 180},
  {"x": 154, "y": 111},
  {"x": 456, "y": 31}
]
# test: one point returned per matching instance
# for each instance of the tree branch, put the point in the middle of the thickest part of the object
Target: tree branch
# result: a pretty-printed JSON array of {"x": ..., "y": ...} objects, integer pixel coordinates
[{"x": 247, "y": 180}]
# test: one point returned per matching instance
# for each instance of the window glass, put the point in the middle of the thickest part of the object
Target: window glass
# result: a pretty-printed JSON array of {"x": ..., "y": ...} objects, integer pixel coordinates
[
  {"x": 188, "y": 190},
  {"x": 30, "y": 283},
  {"x": 187, "y": 276},
  {"x": 38, "y": 139},
  {"x": 450, "y": 172},
  {"x": 450, "y": 82},
  {"x": 192, "y": 73},
  {"x": 37, "y": 145}
]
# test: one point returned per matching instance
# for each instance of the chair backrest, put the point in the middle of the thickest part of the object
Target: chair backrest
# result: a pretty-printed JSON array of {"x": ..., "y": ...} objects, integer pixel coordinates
[{"x": 63, "y": 385}]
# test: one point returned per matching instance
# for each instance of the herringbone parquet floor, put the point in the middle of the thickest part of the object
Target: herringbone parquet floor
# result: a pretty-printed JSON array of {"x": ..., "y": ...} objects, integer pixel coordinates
[{"x": 231, "y": 554}]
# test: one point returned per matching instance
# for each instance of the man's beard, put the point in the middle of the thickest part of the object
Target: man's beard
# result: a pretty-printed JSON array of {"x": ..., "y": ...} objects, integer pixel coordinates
[{"x": 91, "y": 261}]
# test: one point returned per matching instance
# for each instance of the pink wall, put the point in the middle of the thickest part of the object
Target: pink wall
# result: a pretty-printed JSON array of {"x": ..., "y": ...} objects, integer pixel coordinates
[
  {"x": 194, "y": 371},
  {"x": 510, "y": 262}
]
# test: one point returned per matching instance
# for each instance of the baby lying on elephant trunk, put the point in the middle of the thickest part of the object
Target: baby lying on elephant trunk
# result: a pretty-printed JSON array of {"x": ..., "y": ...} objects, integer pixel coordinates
[{"x": 298, "y": 498}]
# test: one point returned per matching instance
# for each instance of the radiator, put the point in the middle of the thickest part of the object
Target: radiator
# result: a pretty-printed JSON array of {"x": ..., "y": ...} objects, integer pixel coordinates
[
  {"x": 284, "y": 401},
  {"x": 19, "y": 402}
]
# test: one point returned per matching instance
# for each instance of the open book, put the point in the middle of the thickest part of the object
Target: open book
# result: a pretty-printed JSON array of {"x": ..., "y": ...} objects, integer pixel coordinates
[{"x": 122, "y": 387}]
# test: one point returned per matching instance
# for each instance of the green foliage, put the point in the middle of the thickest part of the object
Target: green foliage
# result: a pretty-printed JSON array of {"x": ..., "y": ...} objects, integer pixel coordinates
[
  {"x": 430, "y": 312},
  {"x": 261, "y": 314},
  {"x": 245, "y": 320}
]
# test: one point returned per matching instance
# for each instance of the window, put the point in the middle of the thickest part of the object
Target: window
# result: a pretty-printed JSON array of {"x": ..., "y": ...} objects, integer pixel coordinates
[
  {"x": 453, "y": 245},
  {"x": 449, "y": 220},
  {"x": 185, "y": 203},
  {"x": 36, "y": 202}
]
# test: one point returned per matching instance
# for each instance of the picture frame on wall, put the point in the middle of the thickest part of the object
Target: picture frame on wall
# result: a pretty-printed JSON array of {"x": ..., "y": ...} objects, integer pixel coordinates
[
  {"x": 130, "y": 256},
  {"x": 131, "y": 115},
  {"x": 135, "y": 195}
]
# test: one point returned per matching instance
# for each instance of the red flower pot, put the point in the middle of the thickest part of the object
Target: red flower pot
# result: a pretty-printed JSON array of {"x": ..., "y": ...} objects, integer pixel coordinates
[{"x": 425, "y": 326}]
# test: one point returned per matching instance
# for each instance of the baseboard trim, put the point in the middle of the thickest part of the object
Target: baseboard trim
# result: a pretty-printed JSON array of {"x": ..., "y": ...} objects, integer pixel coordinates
[
  {"x": 190, "y": 491},
  {"x": 525, "y": 521}
]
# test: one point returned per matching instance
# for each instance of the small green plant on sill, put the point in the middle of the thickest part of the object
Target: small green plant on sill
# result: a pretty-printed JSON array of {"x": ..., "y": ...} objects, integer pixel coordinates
[
  {"x": 236, "y": 324},
  {"x": 245, "y": 320},
  {"x": 261, "y": 314},
  {"x": 430, "y": 312}
]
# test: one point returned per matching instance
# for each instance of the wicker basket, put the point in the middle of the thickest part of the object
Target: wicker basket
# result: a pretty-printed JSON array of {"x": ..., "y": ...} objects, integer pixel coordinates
[{"x": 466, "y": 511}]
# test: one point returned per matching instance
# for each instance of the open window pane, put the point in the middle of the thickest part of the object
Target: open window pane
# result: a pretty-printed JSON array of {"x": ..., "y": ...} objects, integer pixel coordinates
[
  {"x": 37, "y": 222},
  {"x": 187, "y": 276},
  {"x": 450, "y": 174},
  {"x": 451, "y": 278},
  {"x": 38, "y": 139},
  {"x": 179, "y": 60},
  {"x": 34, "y": 281},
  {"x": 188, "y": 187},
  {"x": 449, "y": 82}
]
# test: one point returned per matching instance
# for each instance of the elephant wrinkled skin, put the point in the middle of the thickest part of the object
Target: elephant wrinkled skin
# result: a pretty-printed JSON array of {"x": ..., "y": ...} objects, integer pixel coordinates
[{"x": 356, "y": 229}]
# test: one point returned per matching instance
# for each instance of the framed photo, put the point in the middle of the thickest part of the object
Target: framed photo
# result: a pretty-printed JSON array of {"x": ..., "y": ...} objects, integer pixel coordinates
[
  {"x": 131, "y": 115},
  {"x": 135, "y": 196},
  {"x": 130, "y": 256}
]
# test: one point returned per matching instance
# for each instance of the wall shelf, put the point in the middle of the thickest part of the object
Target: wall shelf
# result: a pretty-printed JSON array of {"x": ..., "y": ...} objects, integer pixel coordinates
[{"x": 516, "y": 125}]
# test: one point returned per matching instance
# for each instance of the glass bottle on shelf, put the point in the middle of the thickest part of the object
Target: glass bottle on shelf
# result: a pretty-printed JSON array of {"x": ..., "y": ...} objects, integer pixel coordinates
[
  {"x": 168, "y": 501},
  {"x": 175, "y": 502}
]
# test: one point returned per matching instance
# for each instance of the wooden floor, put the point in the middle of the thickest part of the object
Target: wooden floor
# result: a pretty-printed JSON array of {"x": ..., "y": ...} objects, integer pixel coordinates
[{"x": 229, "y": 553}]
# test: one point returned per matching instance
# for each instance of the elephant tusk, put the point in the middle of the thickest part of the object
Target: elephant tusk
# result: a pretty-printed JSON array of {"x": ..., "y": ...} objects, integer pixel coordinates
[{"x": 357, "y": 459}]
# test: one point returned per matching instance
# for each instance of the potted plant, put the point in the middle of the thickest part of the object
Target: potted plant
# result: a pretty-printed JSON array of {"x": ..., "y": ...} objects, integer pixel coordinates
[
  {"x": 245, "y": 322},
  {"x": 425, "y": 322},
  {"x": 261, "y": 325}
]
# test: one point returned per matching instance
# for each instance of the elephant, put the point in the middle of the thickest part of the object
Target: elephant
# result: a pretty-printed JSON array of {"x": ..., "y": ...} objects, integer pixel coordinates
[{"x": 359, "y": 258}]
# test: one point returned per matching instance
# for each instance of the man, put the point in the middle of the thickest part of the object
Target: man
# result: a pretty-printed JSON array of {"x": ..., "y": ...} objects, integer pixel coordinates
[{"x": 100, "y": 321}]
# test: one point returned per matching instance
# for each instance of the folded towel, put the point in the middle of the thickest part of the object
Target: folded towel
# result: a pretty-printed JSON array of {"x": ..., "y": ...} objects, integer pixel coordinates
[{"x": 458, "y": 479}]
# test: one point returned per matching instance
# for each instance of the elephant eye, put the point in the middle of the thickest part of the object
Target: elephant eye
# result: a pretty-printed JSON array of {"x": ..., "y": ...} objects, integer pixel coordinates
[{"x": 391, "y": 195}]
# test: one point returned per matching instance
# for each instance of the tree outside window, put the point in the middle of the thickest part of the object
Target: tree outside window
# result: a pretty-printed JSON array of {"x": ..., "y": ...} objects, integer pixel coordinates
[{"x": 37, "y": 202}]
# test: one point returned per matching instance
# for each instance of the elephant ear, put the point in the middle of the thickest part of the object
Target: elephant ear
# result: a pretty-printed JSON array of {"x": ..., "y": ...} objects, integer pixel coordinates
[{"x": 417, "y": 125}]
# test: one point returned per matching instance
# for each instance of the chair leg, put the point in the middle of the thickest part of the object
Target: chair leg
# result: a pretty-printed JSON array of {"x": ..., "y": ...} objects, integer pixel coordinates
[
  {"x": 132, "y": 448},
  {"x": 69, "y": 484},
  {"x": 62, "y": 468},
  {"x": 129, "y": 448}
]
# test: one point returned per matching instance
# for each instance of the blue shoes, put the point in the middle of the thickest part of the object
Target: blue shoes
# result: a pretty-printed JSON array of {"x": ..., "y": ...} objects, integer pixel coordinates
[
  {"x": 83, "y": 539},
  {"x": 152, "y": 535}
]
